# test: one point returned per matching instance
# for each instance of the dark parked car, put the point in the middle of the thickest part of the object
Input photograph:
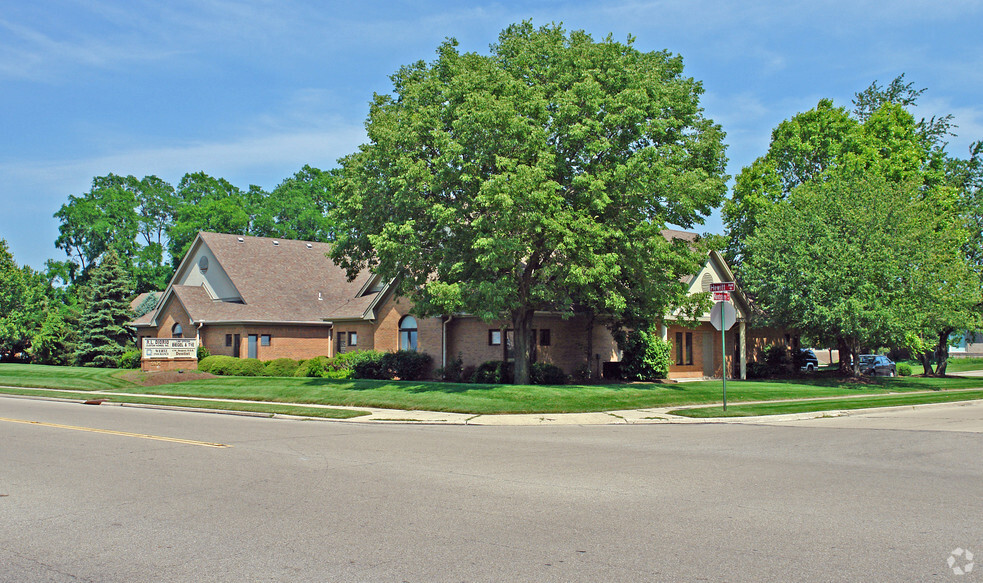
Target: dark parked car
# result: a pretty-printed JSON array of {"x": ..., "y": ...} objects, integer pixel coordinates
[
  {"x": 875, "y": 364},
  {"x": 807, "y": 360}
]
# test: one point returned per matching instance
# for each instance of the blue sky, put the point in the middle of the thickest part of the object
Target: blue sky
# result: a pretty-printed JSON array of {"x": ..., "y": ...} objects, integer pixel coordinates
[{"x": 253, "y": 90}]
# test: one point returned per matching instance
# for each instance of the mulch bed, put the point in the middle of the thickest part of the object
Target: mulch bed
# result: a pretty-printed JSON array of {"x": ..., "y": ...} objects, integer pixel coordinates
[{"x": 150, "y": 379}]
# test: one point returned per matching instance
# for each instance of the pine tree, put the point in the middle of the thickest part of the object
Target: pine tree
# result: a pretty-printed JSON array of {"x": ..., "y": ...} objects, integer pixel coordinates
[{"x": 102, "y": 329}]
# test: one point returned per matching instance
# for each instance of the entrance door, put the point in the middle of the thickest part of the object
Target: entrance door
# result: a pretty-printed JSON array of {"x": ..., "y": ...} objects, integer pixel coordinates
[
  {"x": 252, "y": 345},
  {"x": 709, "y": 370}
]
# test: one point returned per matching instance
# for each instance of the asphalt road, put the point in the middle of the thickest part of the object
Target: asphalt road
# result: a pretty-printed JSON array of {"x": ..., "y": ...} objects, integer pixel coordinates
[{"x": 327, "y": 501}]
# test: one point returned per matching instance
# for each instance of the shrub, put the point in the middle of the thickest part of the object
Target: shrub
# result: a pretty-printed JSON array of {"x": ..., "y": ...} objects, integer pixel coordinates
[
  {"x": 346, "y": 361},
  {"x": 281, "y": 367},
  {"x": 494, "y": 372},
  {"x": 231, "y": 366},
  {"x": 129, "y": 359},
  {"x": 453, "y": 372},
  {"x": 249, "y": 367},
  {"x": 904, "y": 369},
  {"x": 312, "y": 367},
  {"x": 645, "y": 355},
  {"x": 467, "y": 375},
  {"x": 543, "y": 373},
  {"x": 202, "y": 353},
  {"x": 369, "y": 364},
  {"x": 220, "y": 365},
  {"x": 407, "y": 365},
  {"x": 776, "y": 360}
]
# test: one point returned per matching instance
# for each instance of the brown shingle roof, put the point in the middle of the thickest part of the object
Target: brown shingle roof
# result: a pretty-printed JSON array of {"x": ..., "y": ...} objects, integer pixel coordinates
[
  {"x": 289, "y": 281},
  {"x": 282, "y": 279}
]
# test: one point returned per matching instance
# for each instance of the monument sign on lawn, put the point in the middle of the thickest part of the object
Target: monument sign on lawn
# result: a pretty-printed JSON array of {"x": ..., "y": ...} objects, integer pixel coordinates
[{"x": 160, "y": 354}]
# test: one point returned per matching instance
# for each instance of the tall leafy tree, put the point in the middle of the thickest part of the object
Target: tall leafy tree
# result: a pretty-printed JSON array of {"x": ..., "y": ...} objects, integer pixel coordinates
[
  {"x": 205, "y": 203},
  {"x": 103, "y": 334},
  {"x": 862, "y": 261},
  {"x": 299, "y": 207},
  {"x": 14, "y": 328},
  {"x": 122, "y": 214},
  {"x": 531, "y": 178}
]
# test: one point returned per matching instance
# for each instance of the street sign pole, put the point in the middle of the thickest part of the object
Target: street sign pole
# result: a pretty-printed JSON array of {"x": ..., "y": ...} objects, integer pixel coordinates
[
  {"x": 722, "y": 316},
  {"x": 723, "y": 361}
]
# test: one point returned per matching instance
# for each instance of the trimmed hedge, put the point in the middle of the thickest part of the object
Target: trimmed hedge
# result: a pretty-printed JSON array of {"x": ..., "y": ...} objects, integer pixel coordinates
[
  {"x": 229, "y": 366},
  {"x": 904, "y": 369},
  {"x": 218, "y": 364},
  {"x": 281, "y": 367},
  {"x": 312, "y": 367}
]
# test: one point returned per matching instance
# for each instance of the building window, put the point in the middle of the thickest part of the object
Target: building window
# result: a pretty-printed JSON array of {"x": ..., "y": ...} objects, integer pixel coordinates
[
  {"x": 228, "y": 340},
  {"x": 684, "y": 350},
  {"x": 494, "y": 338},
  {"x": 177, "y": 331},
  {"x": 544, "y": 337},
  {"x": 407, "y": 333},
  {"x": 342, "y": 342},
  {"x": 353, "y": 339},
  {"x": 264, "y": 340}
]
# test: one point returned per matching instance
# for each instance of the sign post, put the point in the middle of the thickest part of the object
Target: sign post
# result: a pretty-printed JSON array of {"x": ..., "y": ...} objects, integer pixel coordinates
[{"x": 722, "y": 316}]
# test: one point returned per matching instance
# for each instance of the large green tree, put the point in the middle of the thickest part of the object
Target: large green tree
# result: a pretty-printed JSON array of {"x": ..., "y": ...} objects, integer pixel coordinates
[
  {"x": 35, "y": 317},
  {"x": 536, "y": 177},
  {"x": 103, "y": 334},
  {"x": 122, "y": 214},
  {"x": 205, "y": 203},
  {"x": 299, "y": 207},
  {"x": 862, "y": 261}
]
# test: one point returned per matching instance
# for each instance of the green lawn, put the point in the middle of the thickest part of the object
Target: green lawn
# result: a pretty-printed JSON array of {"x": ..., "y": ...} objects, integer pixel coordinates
[
  {"x": 270, "y": 408},
  {"x": 476, "y": 399},
  {"x": 893, "y": 400}
]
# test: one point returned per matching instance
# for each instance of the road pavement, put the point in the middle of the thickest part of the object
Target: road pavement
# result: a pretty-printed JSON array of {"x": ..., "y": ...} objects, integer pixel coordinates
[{"x": 110, "y": 494}]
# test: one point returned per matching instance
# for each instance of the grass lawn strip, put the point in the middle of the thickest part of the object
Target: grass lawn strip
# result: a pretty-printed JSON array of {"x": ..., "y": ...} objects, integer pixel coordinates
[
  {"x": 475, "y": 399},
  {"x": 221, "y": 405},
  {"x": 831, "y": 404}
]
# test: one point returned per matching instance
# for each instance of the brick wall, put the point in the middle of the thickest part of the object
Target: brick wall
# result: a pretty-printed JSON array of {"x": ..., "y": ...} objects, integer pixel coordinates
[
  {"x": 386, "y": 332},
  {"x": 468, "y": 337},
  {"x": 295, "y": 341}
]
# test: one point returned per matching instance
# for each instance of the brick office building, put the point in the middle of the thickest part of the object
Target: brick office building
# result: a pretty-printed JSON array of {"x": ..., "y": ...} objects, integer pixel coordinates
[{"x": 256, "y": 297}]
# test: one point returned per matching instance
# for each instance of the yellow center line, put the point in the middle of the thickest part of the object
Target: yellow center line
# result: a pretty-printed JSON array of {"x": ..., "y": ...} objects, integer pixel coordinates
[{"x": 112, "y": 432}]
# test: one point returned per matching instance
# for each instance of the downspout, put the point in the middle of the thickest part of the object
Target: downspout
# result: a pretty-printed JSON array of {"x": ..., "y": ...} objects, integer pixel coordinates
[
  {"x": 443, "y": 342},
  {"x": 198, "y": 337}
]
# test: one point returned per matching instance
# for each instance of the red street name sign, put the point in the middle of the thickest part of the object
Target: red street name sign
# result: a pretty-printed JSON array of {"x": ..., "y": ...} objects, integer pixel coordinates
[
  {"x": 727, "y": 286},
  {"x": 721, "y": 297}
]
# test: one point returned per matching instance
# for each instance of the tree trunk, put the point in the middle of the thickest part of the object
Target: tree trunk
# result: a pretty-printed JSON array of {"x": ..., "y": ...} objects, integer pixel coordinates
[
  {"x": 590, "y": 345},
  {"x": 522, "y": 326},
  {"x": 926, "y": 359},
  {"x": 942, "y": 352},
  {"x": 843, "y": 348}
]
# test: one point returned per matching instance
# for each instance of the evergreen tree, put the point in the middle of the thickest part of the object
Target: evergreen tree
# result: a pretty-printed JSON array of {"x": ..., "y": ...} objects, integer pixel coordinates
[{"x": 102, "y": 328}]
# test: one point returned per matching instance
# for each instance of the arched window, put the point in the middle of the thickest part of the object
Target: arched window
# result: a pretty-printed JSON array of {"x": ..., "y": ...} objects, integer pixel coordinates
[
  {"x": 407, "y": 333},
  {"x": 176, "y": 331}
]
